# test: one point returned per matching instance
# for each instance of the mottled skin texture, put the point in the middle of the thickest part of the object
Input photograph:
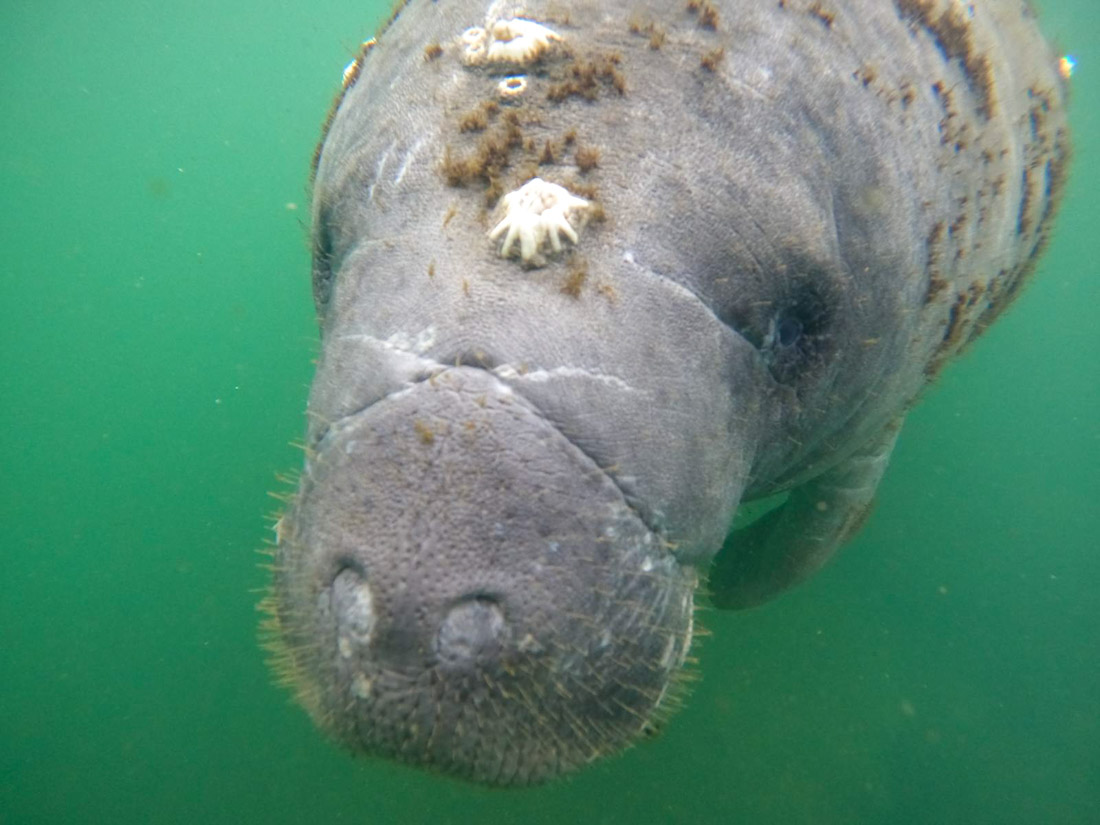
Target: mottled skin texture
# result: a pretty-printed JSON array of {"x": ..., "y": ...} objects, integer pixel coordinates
[{"x": 516, "y": 476}]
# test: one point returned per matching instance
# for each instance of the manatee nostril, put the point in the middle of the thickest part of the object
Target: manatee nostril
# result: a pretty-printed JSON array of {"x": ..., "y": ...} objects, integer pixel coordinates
[
  {"x": 353, "y": 606},
  {"x": 472, "y": 633}
]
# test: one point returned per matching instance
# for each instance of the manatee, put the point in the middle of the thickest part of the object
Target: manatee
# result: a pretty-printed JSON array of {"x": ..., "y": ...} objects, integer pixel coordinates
[{"x": 589, "y": 276}]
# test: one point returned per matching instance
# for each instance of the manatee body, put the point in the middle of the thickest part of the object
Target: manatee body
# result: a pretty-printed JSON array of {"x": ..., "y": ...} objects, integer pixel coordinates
[{"x": 591, "y": 274}]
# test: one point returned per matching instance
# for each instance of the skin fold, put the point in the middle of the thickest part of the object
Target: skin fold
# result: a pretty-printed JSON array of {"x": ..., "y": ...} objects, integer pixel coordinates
[{"x": 535, "y": 414}]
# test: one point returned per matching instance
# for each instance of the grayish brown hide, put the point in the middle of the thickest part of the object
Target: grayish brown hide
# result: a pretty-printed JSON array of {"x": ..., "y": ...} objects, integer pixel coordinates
[{"x": 521, "y": 458}]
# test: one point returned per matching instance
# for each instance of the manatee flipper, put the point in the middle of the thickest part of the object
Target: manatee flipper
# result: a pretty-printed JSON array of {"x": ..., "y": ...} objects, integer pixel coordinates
[{"x": 793, "y": 541}]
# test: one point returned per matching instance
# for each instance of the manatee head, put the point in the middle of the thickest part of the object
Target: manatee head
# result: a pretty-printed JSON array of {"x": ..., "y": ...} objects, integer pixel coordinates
[{"x": 490, "y": 564}]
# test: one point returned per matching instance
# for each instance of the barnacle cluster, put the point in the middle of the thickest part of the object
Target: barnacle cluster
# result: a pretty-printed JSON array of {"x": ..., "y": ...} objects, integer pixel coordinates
[{"x": 517, "y": 41}]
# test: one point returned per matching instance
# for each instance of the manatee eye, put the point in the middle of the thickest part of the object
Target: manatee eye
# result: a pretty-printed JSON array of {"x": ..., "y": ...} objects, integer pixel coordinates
[
  {"x": 798, "y": 338},
  {"x": 788, "y": 330}
]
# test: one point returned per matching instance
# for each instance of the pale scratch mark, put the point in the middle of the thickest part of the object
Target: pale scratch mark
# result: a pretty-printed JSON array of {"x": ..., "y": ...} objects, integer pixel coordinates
[
  {"x": 510, "y": 373},
  {"x": 408, "y": 159},
  {"x": 398, "y": 342},
  {"x": 379, "y": 170}
]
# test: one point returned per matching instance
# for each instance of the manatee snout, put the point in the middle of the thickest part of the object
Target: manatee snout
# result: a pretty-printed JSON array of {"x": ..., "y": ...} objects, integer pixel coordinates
[{"x": 464, "y": 588}]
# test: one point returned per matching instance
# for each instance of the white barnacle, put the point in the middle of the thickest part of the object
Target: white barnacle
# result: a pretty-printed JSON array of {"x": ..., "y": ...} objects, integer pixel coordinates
[
  {"x": 518, "y": 41},
  {"x": 513, "y": 86},
  {"x": 474, "y": 44},
  {"x": 361, "y": 686},
  {"x": 536, "y": 213},
  {"x": 351, "y": 71}
]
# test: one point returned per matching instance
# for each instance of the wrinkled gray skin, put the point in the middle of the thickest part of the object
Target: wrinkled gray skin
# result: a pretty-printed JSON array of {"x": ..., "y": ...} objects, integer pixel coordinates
[{"x": 511, "y": 491}]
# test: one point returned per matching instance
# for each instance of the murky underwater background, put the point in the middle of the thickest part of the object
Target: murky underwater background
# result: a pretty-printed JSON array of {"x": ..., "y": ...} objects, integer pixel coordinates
[{"x": 157, "y": 331}]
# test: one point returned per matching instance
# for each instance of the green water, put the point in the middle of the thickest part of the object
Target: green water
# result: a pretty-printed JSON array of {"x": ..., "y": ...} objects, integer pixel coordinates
[{"x": 157, "y": 332}]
